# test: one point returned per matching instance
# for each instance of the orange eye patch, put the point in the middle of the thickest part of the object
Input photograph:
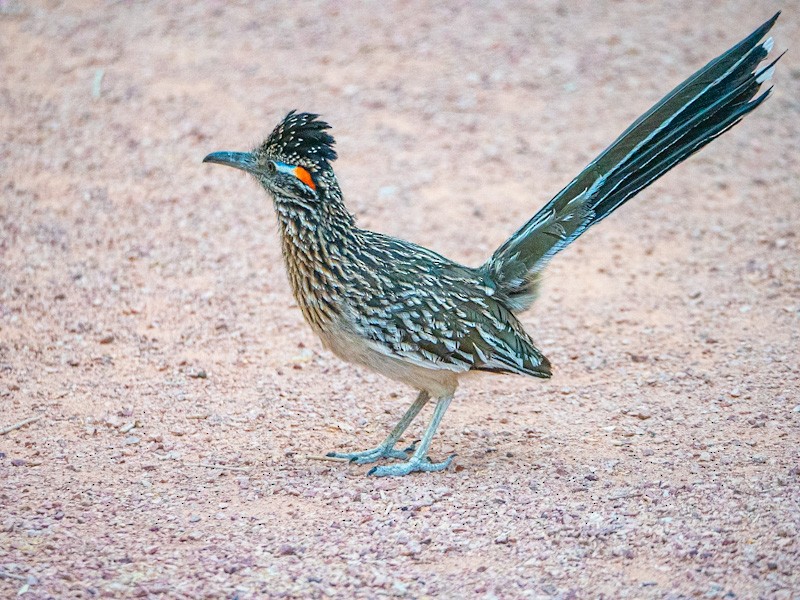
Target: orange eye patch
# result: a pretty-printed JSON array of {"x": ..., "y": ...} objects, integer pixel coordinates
[
  {"x": 305, "y": 177},
  {"x": 301, "y": 173}
]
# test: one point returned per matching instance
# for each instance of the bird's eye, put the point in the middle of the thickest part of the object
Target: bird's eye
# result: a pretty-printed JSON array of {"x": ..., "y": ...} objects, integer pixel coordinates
[{"x": 272, "y": 168}]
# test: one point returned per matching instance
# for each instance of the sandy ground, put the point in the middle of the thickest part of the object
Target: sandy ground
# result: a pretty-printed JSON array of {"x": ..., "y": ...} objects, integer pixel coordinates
[{"x": 146, "y": 319}]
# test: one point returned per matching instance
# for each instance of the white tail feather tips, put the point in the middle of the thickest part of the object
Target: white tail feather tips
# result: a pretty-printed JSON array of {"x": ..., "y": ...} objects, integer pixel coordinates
[
  {"x": 768, "y": 44},
  {"x": 765, "y": 75}
]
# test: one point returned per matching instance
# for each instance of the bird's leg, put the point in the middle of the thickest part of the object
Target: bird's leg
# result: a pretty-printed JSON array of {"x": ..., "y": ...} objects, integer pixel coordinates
[
  {"x": 419, "y": 460},
  {"x": 386, "y": 448}
]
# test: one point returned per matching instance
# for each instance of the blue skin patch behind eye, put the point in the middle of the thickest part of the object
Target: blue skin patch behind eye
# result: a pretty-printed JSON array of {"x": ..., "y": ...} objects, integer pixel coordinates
[{"x": 284, "y": 168}]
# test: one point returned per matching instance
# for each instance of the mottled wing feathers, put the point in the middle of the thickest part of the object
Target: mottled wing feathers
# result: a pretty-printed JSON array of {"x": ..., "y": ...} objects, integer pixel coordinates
[{"x": 424, "y": 309}]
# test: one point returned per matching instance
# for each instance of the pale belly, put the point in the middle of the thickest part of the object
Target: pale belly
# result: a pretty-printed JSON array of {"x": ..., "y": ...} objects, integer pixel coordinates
[{"x": 352, "y": 348}]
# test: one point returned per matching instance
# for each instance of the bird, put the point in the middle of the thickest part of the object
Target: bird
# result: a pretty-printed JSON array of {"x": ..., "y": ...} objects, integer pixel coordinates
[{"x": 419, "y": 318}]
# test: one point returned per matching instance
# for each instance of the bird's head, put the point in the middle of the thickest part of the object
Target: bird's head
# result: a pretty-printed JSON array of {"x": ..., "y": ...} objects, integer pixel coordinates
[{"x": 293, "y": 163}]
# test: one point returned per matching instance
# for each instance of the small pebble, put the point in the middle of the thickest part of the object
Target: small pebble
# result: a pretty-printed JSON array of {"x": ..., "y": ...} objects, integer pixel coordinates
[
  {"x": 399, "y": 587},
  {"x": 640, "y": 412}
]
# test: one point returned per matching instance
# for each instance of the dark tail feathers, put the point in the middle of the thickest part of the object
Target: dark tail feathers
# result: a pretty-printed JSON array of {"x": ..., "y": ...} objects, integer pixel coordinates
[{"x": 701, "y": 108}]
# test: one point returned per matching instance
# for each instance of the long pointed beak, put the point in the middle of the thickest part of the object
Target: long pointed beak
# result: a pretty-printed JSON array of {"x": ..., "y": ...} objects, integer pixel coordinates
[{"x": 238, "y": 160}]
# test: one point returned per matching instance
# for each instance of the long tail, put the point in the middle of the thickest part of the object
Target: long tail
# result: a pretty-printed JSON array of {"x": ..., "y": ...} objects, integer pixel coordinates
[{"x": 701, "y": 108}]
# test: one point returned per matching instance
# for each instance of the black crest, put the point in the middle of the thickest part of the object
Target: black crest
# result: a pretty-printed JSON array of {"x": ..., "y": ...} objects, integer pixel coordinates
[{"x": 301, "y": 139}]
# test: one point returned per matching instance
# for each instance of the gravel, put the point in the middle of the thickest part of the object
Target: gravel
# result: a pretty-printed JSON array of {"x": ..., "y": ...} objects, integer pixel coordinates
[{"x": 146, "y": 319}]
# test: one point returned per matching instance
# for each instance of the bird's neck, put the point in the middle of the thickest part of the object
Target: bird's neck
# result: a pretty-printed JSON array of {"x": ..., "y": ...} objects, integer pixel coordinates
[
  {"x": 311, "y": 225},
  {"x": 315, "y": 239}
]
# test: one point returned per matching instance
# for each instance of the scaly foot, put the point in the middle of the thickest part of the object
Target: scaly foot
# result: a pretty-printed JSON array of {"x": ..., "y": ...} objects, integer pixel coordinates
[
  {"x": 373, "y": 454},
  {"x": 413, "y": 464}
]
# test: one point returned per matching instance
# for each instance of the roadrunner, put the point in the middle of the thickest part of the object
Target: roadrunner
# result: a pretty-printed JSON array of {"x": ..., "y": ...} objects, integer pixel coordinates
[{"x": 421, "y": 319}]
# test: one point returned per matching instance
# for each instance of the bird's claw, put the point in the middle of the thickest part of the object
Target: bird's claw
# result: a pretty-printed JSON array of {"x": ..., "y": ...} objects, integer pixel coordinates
[
  {"x": 410, "y": 466},
  {"x": 373, "y": 454}
]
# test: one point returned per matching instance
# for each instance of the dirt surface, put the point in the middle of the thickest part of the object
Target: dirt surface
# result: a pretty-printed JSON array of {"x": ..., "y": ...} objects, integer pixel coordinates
[{"x": 145, "y": 316}]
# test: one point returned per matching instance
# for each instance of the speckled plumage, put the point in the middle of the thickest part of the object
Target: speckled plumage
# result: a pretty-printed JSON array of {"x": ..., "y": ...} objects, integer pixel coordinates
[
  {"x": 398, "y": 299},
  {"x": 424, "y": 320}
]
